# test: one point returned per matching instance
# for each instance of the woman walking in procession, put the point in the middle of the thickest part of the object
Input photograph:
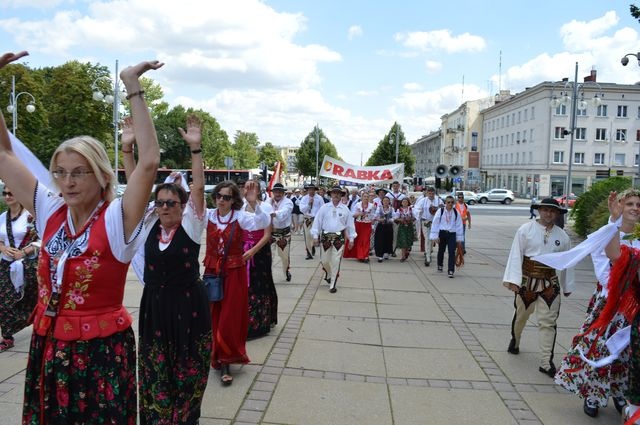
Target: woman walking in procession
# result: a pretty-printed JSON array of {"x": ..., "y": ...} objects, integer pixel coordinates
[
  {"x": 82, "y": 358},
  {"x": 18, "y": 280},
  {"x": 384, "y": 230},
  {"x": 406, "y": 228},
  {"x": 175, "y": 321}
]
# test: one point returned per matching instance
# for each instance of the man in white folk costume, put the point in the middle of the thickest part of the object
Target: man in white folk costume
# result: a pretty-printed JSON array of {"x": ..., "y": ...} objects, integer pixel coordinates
[
  {"x": 310, "y": 204},
  {"x": 281, "y": 222},
  {"x": 537, "y": 286},
  {"x": 333, "y": 225},
  {"x": 424, "y": 211}
]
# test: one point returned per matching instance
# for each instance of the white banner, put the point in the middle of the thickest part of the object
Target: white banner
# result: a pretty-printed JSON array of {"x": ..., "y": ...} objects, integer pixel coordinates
[{"x": 339, "y": 170}]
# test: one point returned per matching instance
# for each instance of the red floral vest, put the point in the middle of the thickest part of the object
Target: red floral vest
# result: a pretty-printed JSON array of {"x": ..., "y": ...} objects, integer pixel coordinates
[
  {"x": 90, "y": 304},
  {"x": 212, "y": 261}
]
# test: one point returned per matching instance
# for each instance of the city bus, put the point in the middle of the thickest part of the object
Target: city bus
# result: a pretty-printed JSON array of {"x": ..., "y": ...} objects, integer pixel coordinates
[{"x": 211, "y": 177}]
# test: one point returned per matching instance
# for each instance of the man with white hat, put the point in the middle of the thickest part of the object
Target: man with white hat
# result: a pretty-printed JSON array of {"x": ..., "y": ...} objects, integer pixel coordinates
[
  {"x": 332, "y": 226},
  {"x": 310, "y": 204},
  {"x": 424, "y": 211},
  {"x": 537, "y": 286},
  {"x": 281, "y": 222}
]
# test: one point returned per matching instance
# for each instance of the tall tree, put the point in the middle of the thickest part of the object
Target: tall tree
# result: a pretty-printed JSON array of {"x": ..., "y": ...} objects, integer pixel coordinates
[
  {"x": 245, "y": 149},
  {"x": 635, "y": 12},
  {"x": 268, "y": 154},
  {"x": 385, "y": 152},
  {"x": 306, "y": 155}
]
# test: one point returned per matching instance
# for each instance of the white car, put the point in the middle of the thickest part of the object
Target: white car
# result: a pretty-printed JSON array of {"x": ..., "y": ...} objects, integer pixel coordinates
[{"x": 504, "y": 196}]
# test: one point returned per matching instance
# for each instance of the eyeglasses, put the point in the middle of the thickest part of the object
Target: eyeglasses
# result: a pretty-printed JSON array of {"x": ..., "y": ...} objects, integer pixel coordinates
[
  {"x": 7, "y": 194},
  {"x": 225, "y": 197},
  {"x": 449, "y": 202},
  {"x": 76, "y": 174},
  {"x": 169, "y": 203}
]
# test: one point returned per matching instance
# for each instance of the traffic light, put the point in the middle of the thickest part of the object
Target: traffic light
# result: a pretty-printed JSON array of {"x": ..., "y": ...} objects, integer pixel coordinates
[{"x": 265, "y": 174}]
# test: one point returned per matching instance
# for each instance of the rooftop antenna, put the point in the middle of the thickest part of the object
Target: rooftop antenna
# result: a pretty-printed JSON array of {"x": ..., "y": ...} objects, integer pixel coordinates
[
  {"x": 462, "y": 100},
  {"x": 500, "y": 73}
]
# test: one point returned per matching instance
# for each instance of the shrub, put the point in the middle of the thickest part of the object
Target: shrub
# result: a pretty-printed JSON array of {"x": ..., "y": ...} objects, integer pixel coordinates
[{"x": 590, "y": 211}]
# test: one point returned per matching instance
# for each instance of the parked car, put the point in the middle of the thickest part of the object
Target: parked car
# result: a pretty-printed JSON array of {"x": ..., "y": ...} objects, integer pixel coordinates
[
  {"x": 469, "y": 197},
  {"x": 562, "y": 200},
  {"x": 504, "y": 196}
]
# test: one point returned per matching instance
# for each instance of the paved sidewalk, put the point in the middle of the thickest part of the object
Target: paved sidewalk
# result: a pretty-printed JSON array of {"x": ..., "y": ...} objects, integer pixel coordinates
[{"x": 399, "y": 343}]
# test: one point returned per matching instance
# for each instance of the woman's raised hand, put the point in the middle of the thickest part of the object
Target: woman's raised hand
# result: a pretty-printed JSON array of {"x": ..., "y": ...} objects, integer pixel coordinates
[
  {"x": 9, "y": 57},
  {"x": 193, "y": 134},
  {"x": 131, "y": 74}
]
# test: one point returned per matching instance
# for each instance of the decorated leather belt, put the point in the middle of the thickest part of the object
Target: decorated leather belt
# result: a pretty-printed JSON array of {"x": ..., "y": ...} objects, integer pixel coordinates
[
  {"x": 308, "y": 221},
  {"x": 335, "y": 239},
  {"x": 331, "y": 236},
  {"x": 426, "y": 223},
  {"x": 531, "y": 268},
  {"x": 278, "y": 233}
]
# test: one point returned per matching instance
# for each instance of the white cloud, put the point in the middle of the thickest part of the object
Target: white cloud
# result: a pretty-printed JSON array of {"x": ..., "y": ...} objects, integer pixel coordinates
[
  {"x": 427, "y": 41},
  {"x": 433, "y": 66},
  {"x": 354, "y": 31},
  {"x": 38, "y": 4},
  {"x": 412, "y": 86},
  {"x": 366, "y": 93}
]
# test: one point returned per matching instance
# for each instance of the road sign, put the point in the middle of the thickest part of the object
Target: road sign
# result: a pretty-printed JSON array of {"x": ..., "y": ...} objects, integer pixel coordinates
[{"x": 228, "y": 162}]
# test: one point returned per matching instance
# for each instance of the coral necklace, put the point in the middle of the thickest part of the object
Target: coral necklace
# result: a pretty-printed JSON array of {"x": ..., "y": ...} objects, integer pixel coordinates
[{"x": 220, "y": 219}]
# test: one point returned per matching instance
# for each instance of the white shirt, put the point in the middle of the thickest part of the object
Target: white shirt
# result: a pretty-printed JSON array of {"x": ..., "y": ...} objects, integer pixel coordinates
[
  {"x": 421, "y": 209},
  {"x": 448, "y": 220},
  {"x": 311, "y": 210},
  {"x": 18, "y": 228},
  {"x": 256, "y": 223},
  {"x": 399, "y": 196},
  {"x": 283, "y": 210},
  {"x": 334, "y": 219},
  {"x": 529, "y": 241},
  {"x": 369, "y": 211},
  {"x": 248, "y": 221},
  {"x": 352, "y": 202}
]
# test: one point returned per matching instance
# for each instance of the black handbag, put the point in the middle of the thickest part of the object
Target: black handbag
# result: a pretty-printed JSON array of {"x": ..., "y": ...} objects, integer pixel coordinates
[{"x": 215, "y": 283}]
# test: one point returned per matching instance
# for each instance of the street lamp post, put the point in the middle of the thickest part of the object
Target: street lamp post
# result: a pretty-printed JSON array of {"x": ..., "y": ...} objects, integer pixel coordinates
[
  {"x": 625, "y": 61},
  {"x": 13, "y": 105},
  {"x": 316, "y": 135},
  {"x": 575, "y": 105},
  {"x": 113, "y": 97},
  {"x": 397, "y": 141}
]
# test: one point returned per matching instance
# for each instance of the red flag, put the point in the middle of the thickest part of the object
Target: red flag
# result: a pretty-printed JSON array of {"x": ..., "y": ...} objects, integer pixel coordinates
[{"x": 275, "y": 177}]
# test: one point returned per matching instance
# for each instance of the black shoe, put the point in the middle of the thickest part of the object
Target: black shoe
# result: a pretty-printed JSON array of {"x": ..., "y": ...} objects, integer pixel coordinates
[
  {"x": 512, "y": 347},
  {"x": 619, "y": 403},
  {"x": 590, "y": 408},
  {"x": 288, "y": 277},
  {"x": 426, "y": 263},
  {"x": 333, "y": 290},
  {"x": 439, "y": 268},
  {"x": 379, "y": 260},
  {"x": 313, "y": 251},
  {"x": 328, "y": 280},
  {"x": 393, "y": 255},
  {"x": 309, "y": 257},
  {"x": 450, "y": 273},
  {"x": 551, "y": 372}
]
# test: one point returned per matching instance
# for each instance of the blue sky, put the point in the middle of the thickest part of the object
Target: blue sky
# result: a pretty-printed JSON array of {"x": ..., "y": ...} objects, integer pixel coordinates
[{"x": 278, "y": 67}]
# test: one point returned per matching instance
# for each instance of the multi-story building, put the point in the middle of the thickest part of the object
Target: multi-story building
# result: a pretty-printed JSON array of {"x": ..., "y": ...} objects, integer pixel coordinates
[
  {"x": 427, "y": 152},
  {"x": 526, "y": 140}
]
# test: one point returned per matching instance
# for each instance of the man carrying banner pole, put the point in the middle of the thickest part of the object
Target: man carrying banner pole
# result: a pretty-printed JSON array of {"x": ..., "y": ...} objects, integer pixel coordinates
[
  {"x": 281, "y": 222},
  {"x": 310, "y": 204}
]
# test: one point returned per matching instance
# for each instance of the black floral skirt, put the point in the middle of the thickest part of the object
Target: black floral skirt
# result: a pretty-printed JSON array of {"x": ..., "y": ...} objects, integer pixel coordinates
[{"x": 263, "y": 298}]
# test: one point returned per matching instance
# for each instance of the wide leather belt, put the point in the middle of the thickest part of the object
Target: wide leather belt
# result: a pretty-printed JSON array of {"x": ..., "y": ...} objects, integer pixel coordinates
[{"x": 531, "y": 268}]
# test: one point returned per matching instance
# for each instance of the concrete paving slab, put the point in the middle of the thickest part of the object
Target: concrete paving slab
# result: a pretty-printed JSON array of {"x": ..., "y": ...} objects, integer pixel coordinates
[
  {"x": 330, "y": 356},
  {"x": 485, "y": 315},
  {"x": 410, "y": 312},
  {"x": 223, "y": 402},
  {"x": 342, "y": 330},
  {"x": 438, "y": 406},
  {"x": 288, "y": 290},
  {"x": 355, "y": 279},
  {"x": 346, "y": 294},
  {"x": 566, "y": 409},
  {"x": 258, "y": 349},
  {"x": 331, "y": 401},
  {"x": 13, "y": 362},
  {"x": 342, "y": 308},
  {"x": 398, "y": 282},
  {"x": 432, "y": 364},
  {"x": 523, "y": 368},
  {"x": 403, "y": 298},
  {"x": 11, "y": 412},
  {"x": 420, "y": 335}
]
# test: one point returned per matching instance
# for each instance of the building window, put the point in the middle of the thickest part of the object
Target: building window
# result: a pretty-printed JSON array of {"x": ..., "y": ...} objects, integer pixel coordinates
[
  {"x": 621, "y": 135},
  {"x": 581, "y": 112},
  {"x": 530, "y": 157},
  {"x": 581, "y": 133},
  {"x": 526, "y": 114},
  {"x": 533, "y": 112},
  {"x": 558, "y": 157},
  {"x": 601, "y": 111},
  {"x": 635, "y": 161},
  {"x": 622, "y": 111},
  {"x": 578, "y": 157},
  {"x": 598, "y": 159},
  {"x": 561, "y": 109},
  {"x": 601, "y": 134},
  {"x": 618, "y": 159},
  {"x": 637, "y": 135},
  {"x": 558, "y": 133}
]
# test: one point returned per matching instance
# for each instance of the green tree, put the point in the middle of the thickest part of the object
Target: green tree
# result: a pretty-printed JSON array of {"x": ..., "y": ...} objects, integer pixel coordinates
[
  {"x": 269, "y": 155},
  {"x": 153, "y": 94},
  {"x": 385, "y": 152},
  {"x": 245, "y": 150},
  {"x": 635, "y": 12},
  {"x": 306, "y": 155}
]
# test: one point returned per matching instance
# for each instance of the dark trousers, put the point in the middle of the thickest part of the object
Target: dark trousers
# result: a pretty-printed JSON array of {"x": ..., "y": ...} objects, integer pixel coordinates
[{"x": 447, "y": 241}]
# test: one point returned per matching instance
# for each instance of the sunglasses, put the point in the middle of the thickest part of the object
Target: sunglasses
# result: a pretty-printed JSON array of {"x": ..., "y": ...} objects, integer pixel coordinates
[
  {"x": 7, "y": 194},
  {"x": 169, "y": 203},
  {"x": 225, "y": 197}
]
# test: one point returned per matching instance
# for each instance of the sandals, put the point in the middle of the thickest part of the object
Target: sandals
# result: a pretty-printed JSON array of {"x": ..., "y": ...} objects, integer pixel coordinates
[
  {"x": 6, "y": 343},
  {"x": 225, "y": 375}
]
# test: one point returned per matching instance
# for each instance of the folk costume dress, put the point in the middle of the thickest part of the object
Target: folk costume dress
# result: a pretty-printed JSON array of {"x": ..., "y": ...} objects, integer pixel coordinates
[
  {"x": 383, "y": 242},
  {"x": 174, "y": 349},
  {"x": 230, "y": 317},
  {"x": 263, "y": 298},
  {"x": 18, "y": 296},
  {"x": 406, "y": 228},
  {"x": 82, "y": 358},
  {"x": 281, "y": 234},
  {"x": 364, "y": 229}
]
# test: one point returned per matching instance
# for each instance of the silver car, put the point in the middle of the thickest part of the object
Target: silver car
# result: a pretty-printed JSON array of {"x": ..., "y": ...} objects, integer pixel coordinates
[{"x": 504, "y": 196}]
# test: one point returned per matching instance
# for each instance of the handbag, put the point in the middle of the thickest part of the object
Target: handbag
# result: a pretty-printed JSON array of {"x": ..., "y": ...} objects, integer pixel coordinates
[{"x": 215, "y": 283}]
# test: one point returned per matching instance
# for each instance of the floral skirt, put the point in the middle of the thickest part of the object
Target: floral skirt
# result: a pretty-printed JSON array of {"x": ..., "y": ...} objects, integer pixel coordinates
[
  {"x": 263, "y": 298},
  {"x": 15, "y": 308},
  {"x": 406, "y": 236},
  {"x": 582, "y": 379},
  {"x": 81, "y": 382}
]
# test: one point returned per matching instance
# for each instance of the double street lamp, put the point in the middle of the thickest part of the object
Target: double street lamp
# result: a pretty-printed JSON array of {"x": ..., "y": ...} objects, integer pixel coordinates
[
  {"x": 625, "y": 61},
  {"x": 575, "y": 105},
  {"x": 112, "y": 97},
  {"x": 13, "y": 104}
]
